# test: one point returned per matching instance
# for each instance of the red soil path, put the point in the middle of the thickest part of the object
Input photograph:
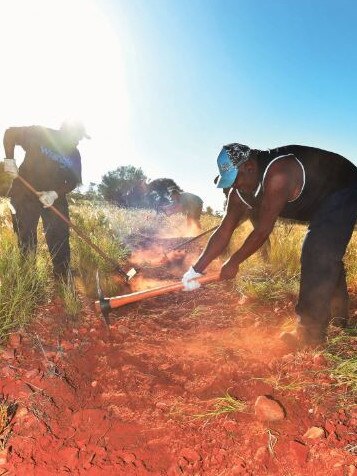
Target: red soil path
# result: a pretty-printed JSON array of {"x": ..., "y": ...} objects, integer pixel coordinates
[{"x": 125, "y": 401}]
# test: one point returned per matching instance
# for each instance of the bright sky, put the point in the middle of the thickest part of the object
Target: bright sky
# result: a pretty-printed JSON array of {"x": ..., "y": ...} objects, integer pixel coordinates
[{"x": 163, "y": 84}]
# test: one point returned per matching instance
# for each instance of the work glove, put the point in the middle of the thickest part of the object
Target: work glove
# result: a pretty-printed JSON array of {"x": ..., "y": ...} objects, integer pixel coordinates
[
  {"x": 189, "y": 280},
  {"x": 47, "y": 198},
  {"x": 10, "y": 168}
]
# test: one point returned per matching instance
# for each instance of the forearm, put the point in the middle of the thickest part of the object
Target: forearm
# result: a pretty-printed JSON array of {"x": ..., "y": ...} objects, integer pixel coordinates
[
  {"x": 252, "y": 244},
  {"x": 215, "y": 246}
]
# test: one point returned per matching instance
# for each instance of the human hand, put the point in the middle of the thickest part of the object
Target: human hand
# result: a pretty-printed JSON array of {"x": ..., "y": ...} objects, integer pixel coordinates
[
  {"x": 229, "y": 270},
  {"x": 10, "y": 168},
  {"x": 47, "y": 198},
  {"x": 189, "y": 280}
]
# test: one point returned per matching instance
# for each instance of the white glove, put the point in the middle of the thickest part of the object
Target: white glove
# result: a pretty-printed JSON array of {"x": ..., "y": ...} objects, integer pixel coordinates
[
  {"x": 47, "y": 198},
  {"x": 10, "y": 168},
  {"x": 189, "y": 280}
]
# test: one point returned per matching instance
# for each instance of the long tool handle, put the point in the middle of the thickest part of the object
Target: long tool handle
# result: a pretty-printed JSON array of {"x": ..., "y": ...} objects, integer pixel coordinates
[
  {"x": 182, "y": 245},
  {"x": 118, "y": 301},
  {"x": 76, "y": 229}
]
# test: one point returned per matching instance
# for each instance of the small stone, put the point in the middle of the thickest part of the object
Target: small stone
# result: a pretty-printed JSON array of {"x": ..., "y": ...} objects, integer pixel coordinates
[
  {"x": 314, "y": 432},
  {"x": 14, "y": 340},
  {"x": 267, "y": 409},
  {"x": 129, "y": 457},
  {"x": 94, "y": 383}
]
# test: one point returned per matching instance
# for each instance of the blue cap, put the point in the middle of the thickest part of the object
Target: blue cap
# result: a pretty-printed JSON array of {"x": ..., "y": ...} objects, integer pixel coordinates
[
  {"x": 227, "y": 170},
  {"x": 231, "y": 157}
]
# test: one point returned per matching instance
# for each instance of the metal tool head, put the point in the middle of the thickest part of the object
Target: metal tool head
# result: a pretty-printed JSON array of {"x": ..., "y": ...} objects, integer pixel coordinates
[
  {"x": 131, "y": 273},
  {"x": 104, "y": 302},
  {"x": 127, "y": 276}
]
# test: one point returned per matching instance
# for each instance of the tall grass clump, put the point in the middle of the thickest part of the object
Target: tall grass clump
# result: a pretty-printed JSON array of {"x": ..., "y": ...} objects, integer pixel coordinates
[
  {"x": 351, "y": 262},
  {"x": 70, "y": 297},
  {"x": 94, "y": 222},
  {"x": 277, "y": 276},
  {"x": 23, "y": 285},
  {"x": 341, "y": 352},
  {"x": 222, "y": 406}
]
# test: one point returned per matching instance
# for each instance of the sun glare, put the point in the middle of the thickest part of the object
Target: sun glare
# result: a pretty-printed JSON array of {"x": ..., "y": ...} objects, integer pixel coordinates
[{"x": 62, "y": 59}]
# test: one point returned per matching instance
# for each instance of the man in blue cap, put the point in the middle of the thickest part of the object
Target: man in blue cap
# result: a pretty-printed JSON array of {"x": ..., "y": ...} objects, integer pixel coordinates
[{"x": 295, "y": 182}]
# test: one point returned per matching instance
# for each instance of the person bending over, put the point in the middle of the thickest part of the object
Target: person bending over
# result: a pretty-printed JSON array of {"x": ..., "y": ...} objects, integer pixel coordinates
[
  {"x": 188, "y": 204},
  {"x": 297, "y": 182}
]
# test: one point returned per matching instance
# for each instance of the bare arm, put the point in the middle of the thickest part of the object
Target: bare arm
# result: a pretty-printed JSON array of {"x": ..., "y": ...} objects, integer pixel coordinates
[
  {"x": 278, "y": 186},
  {"x": 218, "y": 241}
]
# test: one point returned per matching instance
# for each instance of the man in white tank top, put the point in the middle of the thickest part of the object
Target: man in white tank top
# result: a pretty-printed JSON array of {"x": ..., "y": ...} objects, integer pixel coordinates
[{"x": 301, "y": 183}]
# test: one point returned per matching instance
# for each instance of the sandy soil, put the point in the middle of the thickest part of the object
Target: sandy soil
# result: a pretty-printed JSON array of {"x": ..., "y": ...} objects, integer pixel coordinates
[{"x": 135, "y": 399}]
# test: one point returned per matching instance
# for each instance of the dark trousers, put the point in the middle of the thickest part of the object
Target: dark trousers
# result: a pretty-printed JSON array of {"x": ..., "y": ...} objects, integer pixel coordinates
[
  {"x": 25, "y": 222},
  {"x": 323, "y": 288}
]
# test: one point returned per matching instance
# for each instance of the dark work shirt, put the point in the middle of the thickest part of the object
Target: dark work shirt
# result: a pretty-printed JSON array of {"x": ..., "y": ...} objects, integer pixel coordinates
[
  {"x": 49, "y": 163},
  {"x": 324, "y": 173}
]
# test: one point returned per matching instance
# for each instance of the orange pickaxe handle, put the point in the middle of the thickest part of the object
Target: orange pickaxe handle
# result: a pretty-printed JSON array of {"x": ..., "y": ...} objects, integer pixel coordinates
[
  {"x": 118, "y": 301},
  {"x": 77, "y": 230}
]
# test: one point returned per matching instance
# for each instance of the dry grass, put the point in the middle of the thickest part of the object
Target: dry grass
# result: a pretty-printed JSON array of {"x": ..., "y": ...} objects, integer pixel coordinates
[{"x": 223, "y": 405}]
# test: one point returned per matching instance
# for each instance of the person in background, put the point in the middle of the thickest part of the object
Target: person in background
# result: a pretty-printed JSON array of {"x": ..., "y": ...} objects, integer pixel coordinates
[
  {"x": 296, "y": 182},
  {"x": 52, "y": 165},
  {"x": 186, "y": 203}
]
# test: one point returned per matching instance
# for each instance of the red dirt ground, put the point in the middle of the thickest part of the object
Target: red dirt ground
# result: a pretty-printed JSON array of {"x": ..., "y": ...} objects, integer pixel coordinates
[{"x": 125, "y": 401}]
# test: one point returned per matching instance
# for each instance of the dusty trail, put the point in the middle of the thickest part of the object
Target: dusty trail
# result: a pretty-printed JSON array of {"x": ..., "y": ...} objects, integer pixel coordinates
[{"x": 125, "y": 401}]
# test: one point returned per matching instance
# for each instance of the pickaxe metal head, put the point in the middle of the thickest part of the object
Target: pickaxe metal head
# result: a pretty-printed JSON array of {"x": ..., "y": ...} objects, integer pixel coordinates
[
  {"x": 104, "y": 302},
  {"x": 127, "y": 276},
  {"x": 131, "y": 273}
]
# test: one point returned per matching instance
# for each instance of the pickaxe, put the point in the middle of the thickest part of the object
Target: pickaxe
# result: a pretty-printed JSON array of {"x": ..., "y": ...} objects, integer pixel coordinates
[
  {"x": 126, "y": 276},
  {"x": 105, "y": 305},
  {"x": 186, "y": 242}
]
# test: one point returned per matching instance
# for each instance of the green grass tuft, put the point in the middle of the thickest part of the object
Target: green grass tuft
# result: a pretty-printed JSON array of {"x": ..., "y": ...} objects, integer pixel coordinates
[
  {"x": 23, "y": 286},
  {"x": 223, "y": 405}
]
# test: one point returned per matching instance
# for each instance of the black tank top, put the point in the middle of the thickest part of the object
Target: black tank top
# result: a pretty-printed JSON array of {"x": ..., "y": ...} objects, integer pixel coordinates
[{"x": 323, "y": 172}]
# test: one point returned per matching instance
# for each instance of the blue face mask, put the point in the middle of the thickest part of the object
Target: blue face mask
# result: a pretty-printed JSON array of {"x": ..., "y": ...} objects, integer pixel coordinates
[{"x": 229, "y": 160}]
